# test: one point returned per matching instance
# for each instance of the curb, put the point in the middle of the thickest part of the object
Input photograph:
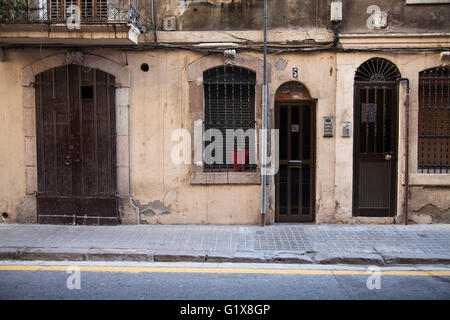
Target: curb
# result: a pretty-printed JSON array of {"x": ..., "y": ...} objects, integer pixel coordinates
[{"x": 142, "y": 255}]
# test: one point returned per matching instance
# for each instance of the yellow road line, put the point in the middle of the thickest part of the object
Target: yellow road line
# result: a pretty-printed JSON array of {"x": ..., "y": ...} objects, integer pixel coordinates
[{"x": 223, "y": 270}]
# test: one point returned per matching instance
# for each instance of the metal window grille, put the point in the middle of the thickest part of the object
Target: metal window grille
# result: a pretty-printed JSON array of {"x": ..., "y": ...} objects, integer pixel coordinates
[
  {"x": 56, "y": 11},
  {"x": 377, "y": 70},
  {"x": 434, "y": 120},
  {"x": 229, "y": 93}
]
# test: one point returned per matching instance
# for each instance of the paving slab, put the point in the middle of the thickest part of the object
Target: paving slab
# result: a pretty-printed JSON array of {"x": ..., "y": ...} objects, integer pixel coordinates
[{"x": 281, "y": 243}]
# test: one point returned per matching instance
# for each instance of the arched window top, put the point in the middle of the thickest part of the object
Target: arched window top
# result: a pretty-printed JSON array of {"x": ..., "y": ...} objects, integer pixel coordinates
[
  {"x": 442, "y": 72},
  {"x": 377, "y": 70},
  {"x": 229, "y": 75},
  {"x": 292, "y": 90}
]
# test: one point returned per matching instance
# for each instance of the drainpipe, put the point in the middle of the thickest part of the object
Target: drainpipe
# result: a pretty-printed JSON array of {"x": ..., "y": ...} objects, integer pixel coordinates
[
  {"x": 406, "y": 189},
  {"x": 264, "y": 143},
  {"x": 155, "y": 36}
]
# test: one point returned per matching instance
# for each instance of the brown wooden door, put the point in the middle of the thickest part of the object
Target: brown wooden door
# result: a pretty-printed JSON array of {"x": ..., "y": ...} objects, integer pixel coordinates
[
  {"x": 375, "y": 150},
  {"x": 76, "y": 148},
  {"x": 295, "y": 192}
]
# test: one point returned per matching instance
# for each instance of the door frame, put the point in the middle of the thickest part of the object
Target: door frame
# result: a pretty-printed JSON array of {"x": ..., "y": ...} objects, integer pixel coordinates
[
  {"x": 78, "y": 202},
  {"x": 313, "y": 105},
  {"x": 395, "y": 148},
  {"x": 122, "y": 103}
]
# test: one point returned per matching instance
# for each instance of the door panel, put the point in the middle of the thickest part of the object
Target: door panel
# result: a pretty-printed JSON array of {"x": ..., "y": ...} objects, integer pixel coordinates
[
  {"x": 375, "y": 150},
  {"x": 295, "y": 179},
  {"x": 76, "y": 146}
]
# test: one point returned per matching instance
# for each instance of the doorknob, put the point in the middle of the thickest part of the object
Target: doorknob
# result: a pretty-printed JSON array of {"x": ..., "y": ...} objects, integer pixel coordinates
[
  {"x": 387, "y": 157},
  {"x": 68, "y": 162}
]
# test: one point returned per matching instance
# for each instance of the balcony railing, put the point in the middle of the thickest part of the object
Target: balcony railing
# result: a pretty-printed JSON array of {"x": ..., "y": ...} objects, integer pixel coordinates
[{"x": 61, "y": 11}]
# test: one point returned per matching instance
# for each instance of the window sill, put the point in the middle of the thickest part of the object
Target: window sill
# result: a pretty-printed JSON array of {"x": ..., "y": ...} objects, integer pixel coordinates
[
  {"x": 429, "y": 179},
  {"x": 225, "y": 178}
]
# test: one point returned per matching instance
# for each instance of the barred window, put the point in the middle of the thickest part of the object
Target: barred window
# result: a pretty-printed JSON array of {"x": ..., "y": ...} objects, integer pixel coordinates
[
  {"x": 229, "y": 100},
  {"x": 434, "y": 120}
]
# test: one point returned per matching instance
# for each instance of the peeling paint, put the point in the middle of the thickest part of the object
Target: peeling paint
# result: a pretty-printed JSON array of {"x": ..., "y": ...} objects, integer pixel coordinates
[
  {"x": 429, "y": 213},
  {"x": 153, "y": 208}
]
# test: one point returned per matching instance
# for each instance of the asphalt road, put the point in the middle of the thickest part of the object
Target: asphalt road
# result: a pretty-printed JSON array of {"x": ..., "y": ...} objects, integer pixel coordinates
[{"x": 115, "y": 280}]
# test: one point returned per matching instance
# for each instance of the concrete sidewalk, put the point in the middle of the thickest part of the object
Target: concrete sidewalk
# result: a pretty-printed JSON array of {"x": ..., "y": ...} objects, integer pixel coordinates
[{"x": 287, "y": 243}]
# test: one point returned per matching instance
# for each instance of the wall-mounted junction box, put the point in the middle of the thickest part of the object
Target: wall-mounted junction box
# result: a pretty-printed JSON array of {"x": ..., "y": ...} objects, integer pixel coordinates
[
  {"x": 346, "y": 129},
  {"x": 336, "y": 11}
]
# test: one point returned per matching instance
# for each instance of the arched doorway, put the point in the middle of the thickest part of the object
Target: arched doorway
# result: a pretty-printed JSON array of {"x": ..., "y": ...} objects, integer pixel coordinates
[
  {"x": 76, "y": 146},
  {"x": 295, "y": 117},
  {"x": 375, "y": 139}
]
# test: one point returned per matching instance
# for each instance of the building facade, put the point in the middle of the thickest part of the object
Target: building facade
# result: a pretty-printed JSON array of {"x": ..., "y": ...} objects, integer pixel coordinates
[{"x": 118, "y": 111}]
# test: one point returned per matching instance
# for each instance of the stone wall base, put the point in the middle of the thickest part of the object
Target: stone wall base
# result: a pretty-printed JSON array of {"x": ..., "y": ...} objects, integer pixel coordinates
[{"x": 28, "y": 210}]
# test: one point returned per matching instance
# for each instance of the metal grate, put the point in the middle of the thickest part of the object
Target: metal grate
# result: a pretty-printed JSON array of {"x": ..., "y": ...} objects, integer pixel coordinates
[
  {"x": 229, "y": 93},
  {"x": 376, "y": 113},
  {"x": 377, "y": 70},
  {"x": 56, "y": 11},
  {"x": 434, "y": 120}
]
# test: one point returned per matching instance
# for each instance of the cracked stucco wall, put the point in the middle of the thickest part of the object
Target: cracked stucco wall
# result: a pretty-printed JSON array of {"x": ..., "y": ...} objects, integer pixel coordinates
[
  {"x": 210, "y": 15},
  {"x": 429, "y": 205}
]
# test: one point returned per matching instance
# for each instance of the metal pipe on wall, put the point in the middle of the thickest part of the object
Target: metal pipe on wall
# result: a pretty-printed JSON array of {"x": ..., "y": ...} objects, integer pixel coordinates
[
  {"x": 264, "y": 132},
  {"x": 155, "y": 35},
  {"x": 406, "y": 190}
]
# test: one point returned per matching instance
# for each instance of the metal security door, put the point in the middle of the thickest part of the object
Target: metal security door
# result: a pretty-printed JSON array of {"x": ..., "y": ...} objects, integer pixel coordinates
[
  {"x": 76, "y": 148},
  {"x": 295, "y": 179},
  {"x": 375, "y": 149}
]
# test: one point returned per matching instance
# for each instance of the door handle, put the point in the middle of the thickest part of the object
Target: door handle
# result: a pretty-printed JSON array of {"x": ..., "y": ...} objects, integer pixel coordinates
[
  {"x": 68, "y": 162},
  {"x": 387, "y": 157}
]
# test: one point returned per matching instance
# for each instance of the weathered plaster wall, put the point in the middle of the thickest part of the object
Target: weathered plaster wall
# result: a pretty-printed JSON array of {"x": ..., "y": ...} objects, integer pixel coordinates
[
  {"x": 241, "y": 14},
  {"x": 429, "y": 205},
  {"x": 159, "y": 103},
  {"x": 401, "y": 17},
  {"x": 298, "y": 14},
  {"x": 12, "y": 142}
]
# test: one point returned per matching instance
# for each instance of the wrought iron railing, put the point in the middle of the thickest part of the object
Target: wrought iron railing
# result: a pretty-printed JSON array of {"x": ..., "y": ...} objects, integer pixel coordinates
[{"x": 61, "y": 11}]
